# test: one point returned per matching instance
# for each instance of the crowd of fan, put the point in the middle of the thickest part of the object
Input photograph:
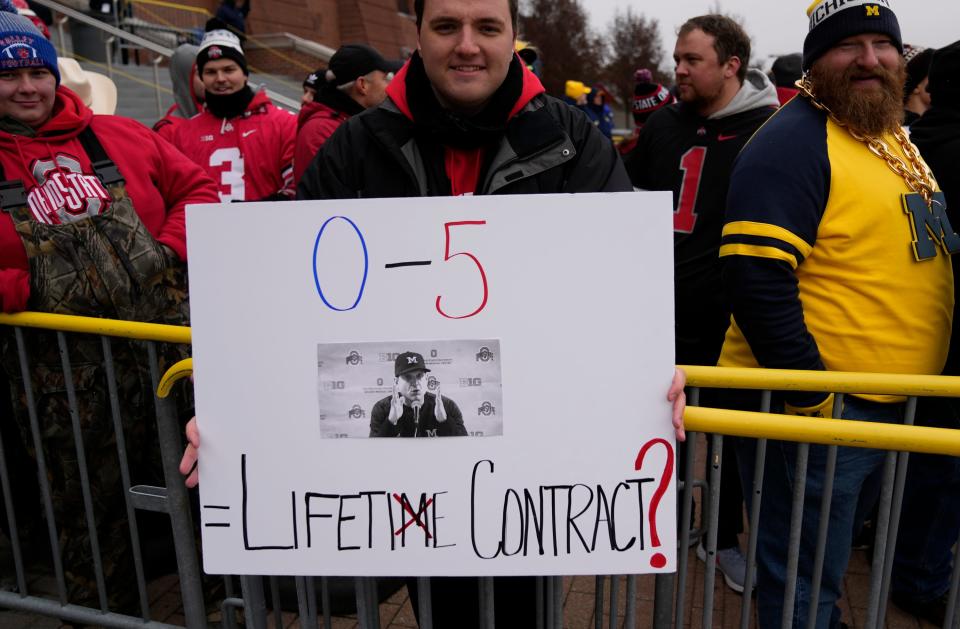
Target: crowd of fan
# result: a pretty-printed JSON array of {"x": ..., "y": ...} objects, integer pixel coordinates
[{"x": 794, "y": 245}]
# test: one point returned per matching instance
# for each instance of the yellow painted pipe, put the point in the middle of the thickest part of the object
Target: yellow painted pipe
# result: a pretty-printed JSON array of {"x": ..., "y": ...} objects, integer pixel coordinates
[
  {"x": 827, "y": 381},
  {"x": 182, "y": 369},
  {"x": 94, "y": 325},
  {"x": 833, "y": 432}
]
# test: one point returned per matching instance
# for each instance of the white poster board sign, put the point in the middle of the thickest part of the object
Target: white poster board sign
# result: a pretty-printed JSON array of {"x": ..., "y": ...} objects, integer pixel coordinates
[{"x": 546, "y": 323}]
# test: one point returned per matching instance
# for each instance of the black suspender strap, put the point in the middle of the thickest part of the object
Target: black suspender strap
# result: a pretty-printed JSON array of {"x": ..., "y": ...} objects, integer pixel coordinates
[{"x": 103, "y": 166}]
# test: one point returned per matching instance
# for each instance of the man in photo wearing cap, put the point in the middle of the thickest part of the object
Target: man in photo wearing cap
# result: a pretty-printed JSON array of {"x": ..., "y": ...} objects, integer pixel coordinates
[
  {"x": 834, "y": 261},
  {"x": 92, "y": 225},
  {"x": 242, "y": 140},
  {"x": 356, "y": 79},
  {"x": 689, "y": 148},
  {"x": 412, "y": 412}
]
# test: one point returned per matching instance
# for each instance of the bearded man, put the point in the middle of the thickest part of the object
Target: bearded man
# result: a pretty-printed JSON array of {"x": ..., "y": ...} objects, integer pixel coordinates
[{"x": 834, "y": 260}]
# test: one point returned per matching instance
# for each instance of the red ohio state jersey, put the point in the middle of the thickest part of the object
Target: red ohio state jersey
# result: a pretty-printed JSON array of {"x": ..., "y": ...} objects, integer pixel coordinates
[{"x": 250, "y": 157}]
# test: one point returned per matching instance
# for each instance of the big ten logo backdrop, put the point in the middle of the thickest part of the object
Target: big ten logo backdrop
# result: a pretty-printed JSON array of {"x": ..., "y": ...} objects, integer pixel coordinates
[
  {"x": 352, "y": 378},
  {"x": 534, "y": 333}
]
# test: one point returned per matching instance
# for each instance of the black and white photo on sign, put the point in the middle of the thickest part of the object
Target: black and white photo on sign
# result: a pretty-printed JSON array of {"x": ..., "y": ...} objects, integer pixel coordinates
[{"x": 392, "y": 388}]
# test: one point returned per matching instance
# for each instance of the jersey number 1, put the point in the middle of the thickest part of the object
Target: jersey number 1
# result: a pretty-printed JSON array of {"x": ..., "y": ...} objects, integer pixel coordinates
[{"x": 685, "y": 216}]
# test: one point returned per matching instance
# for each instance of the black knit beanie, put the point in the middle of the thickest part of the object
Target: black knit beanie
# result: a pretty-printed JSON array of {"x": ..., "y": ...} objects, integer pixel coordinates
[
  {"x": 944, "y": 83},
  {"x": 834, "y": 20}
]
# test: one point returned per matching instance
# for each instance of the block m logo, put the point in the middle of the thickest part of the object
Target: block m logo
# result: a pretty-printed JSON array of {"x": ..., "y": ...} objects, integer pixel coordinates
[
  {"x": 873, "y": 10},
  {"x": 930, "y": 226}
]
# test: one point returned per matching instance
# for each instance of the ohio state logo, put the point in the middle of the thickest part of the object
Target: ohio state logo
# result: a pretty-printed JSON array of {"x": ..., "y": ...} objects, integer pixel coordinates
[
  {"x": 214, "y": 52},
  {"x": 64, "y": 194}
]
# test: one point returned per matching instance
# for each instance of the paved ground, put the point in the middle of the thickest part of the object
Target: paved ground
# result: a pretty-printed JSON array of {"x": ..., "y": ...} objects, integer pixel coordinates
[{"x": 579, "y": 597}]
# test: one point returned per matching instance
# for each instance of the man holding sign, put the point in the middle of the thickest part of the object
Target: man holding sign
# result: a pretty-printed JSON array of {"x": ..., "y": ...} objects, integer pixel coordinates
[
  {"x": 412, "y": 412},
  {"x": 465, "y": 116}
]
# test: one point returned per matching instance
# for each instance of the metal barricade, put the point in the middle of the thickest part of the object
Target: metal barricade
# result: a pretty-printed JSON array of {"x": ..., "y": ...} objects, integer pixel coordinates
[
  {"x": 172, "y": 499},
  {"x": 611, "y": 601}
]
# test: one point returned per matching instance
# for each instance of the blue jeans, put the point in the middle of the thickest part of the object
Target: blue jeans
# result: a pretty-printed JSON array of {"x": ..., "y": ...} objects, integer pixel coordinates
[
  {"x": 930, "y": 519},
  {"x": 854, "y": 466}
]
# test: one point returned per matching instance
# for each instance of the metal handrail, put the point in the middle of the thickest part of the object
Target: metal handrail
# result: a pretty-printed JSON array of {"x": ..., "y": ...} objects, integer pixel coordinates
[
  {"x": 107, "y": 28},
  {"x": 136, "y": 40},
  {"x": 175, "y": 5}
]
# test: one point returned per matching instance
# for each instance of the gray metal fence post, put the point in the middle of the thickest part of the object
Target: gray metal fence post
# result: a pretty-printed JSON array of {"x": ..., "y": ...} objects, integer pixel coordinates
[
  {"x": 683, "y": 552},
  {"x": 710, "y": 569},
  {"x": 793, "y": 548},
  {"x": 756, "y": 500},
  {"x": 254, "y": 603},
  {"x": 178, "y": 502},
  {"x": 822, "y": 527},
  {"x": 910, "y": 414},
  {"x": 84, "y": 471},
  {"x": 487, "y": 603}
]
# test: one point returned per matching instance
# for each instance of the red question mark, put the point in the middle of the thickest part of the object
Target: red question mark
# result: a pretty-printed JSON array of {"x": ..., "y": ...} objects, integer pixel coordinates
[{"x": 658, "y": 560}]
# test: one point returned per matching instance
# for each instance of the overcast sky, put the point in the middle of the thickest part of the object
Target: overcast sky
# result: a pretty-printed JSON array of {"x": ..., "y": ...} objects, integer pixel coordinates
[{"x": 779, "y": 26}]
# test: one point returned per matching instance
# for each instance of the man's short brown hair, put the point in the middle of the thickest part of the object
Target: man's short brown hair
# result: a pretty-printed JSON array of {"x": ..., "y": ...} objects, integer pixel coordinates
[
  {"x": 514, "y": 13},
  {"x": 730, "y": 40}
]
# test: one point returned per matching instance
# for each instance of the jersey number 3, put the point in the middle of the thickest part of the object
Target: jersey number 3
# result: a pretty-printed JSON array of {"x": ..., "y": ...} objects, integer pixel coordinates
[
  {"x": 231, "y": 177},
  {"x": 685, "y": 216}
]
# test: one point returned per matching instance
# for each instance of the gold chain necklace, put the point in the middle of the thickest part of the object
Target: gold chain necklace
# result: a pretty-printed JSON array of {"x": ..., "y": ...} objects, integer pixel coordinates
[{"x": 916, "y": 174}]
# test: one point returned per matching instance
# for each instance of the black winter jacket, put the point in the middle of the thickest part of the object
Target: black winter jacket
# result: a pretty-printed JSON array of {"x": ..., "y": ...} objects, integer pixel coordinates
[
  {"x": 937, "y": 135},
  {"x": 548, "y": 147}
]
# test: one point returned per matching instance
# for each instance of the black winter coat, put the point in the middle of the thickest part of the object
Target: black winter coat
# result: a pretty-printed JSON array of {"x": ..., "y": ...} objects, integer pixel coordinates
[
  {"x": 548, "y": 147},
  {"x": 937, "y": 135}
]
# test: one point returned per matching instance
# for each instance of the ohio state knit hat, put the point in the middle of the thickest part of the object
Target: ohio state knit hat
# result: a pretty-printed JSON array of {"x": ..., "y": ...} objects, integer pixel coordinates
[
  {"x": 221, "y": 44},
  {"x": 834, "y": 20},
  {"x": 648, "y": 96},
  {"x": 22, "y": 45}
]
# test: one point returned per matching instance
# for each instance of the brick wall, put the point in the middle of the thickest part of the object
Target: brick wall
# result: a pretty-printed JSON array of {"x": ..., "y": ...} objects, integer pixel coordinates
[{"x": 332, "y": 22}]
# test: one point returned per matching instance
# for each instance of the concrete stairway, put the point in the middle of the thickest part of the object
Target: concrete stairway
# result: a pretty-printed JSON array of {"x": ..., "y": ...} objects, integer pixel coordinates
[{"x": 136, "y": 92}]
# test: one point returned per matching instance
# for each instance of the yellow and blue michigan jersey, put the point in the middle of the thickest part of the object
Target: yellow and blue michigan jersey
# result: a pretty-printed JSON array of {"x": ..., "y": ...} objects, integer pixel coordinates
[{"x": 845, "y": 268}]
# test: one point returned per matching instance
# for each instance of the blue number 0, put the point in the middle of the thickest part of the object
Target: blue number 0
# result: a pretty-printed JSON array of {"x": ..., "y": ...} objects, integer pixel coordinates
[{"x": 366, "y": 264}]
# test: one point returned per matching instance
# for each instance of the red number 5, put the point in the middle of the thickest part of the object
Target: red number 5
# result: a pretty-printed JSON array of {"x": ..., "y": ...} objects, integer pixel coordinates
[{"x": 447, "y": 256}]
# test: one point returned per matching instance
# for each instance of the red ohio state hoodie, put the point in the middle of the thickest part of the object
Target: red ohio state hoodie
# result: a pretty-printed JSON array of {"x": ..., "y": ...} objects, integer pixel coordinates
[
  {"x": 250, "y": 157},
  {"x": 60, "y": 184}
]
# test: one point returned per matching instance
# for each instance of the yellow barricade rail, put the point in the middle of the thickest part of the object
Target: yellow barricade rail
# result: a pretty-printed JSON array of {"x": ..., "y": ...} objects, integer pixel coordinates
[
  {"x": 823, "y": 431},
  {"x": 183, "y": 369},
  {"x": 696, "y": 419},
  {"x": 105, "y": 327}
]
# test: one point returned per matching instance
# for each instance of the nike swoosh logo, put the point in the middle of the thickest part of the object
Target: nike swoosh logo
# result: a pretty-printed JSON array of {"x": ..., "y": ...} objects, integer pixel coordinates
[
  {"x": 246, "y": 133},
  {"x": 724, "y": 138}
]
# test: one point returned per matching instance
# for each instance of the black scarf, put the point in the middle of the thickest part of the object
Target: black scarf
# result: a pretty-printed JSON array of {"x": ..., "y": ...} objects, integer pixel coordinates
[
  {"x": 330, "y": 96},
  {"x": 229, "y": 105},
  {"x": 443, "y": 127}
]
